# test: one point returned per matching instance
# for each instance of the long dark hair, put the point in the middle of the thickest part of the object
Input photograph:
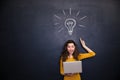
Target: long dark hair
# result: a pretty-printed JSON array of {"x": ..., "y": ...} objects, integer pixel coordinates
[{"x": 65, "y": 53}]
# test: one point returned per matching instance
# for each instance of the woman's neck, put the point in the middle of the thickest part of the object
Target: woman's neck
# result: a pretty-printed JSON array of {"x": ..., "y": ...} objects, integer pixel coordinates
[{"x": 70, "y": 56}]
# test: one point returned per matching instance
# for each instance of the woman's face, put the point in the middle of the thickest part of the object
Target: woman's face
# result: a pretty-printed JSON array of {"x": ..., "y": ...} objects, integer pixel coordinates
[{"x": 70, "y": 48}]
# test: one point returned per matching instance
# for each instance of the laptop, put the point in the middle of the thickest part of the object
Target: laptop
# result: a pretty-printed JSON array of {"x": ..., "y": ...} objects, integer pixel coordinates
[{"x": 72, "y": 67}]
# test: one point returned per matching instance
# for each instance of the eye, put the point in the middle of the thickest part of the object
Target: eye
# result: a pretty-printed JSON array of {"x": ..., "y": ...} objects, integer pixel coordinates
[
  {"x": 68, "y": 46},
  {"x": 72, "y": 46}
]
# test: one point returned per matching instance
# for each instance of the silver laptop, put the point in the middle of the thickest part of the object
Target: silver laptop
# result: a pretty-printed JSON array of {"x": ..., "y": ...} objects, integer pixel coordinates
[{"x": 72, "y": 67}]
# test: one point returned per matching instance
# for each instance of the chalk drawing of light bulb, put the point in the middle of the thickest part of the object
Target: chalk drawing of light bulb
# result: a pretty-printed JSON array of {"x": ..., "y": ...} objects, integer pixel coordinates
[
  {"x": 70, "y": 23},
  {"x": 69, "y": 19}
]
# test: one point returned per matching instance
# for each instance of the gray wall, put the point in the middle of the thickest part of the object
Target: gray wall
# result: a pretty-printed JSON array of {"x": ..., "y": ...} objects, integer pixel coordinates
[{"x": 31, "y": 42}]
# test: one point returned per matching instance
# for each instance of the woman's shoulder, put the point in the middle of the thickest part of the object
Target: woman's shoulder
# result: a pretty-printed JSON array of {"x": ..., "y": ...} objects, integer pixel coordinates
[{"x": 61, "y": 57}]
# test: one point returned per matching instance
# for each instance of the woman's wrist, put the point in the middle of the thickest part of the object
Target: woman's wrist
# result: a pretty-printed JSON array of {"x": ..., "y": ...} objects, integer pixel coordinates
[
  {"x": 87, "y": 49},
  {"x": 84, "y": 46}
]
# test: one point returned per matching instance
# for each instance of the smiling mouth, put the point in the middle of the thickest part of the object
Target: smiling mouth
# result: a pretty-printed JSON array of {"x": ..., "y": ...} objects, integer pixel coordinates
[{"x": 71, "y": 51}]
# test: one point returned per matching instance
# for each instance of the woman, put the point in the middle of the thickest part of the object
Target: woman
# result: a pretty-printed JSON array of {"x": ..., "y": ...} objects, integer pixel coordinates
[{"x": 70, "y": 53}]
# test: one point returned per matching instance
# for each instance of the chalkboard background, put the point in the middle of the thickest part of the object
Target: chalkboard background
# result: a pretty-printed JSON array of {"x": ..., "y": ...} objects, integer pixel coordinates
[{"x": 31, "y": 42}]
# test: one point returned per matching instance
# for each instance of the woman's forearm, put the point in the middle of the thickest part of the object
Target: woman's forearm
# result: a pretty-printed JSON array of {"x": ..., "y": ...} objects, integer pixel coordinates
[{"x": 87, "y": 49}]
